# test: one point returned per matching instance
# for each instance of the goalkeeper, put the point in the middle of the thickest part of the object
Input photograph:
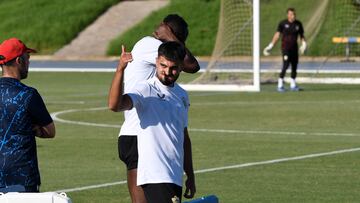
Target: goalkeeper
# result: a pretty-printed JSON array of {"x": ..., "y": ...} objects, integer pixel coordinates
[{"x": 289, "y": 30}]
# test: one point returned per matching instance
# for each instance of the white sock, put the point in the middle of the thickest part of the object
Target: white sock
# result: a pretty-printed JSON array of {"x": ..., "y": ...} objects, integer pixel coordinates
[
  {"x": 280, "y": 83},
  {"x": 292, "y": 83}
]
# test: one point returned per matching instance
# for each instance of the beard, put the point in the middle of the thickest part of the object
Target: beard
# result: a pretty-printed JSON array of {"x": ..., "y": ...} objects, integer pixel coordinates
[{"x": 166, "y": 81}]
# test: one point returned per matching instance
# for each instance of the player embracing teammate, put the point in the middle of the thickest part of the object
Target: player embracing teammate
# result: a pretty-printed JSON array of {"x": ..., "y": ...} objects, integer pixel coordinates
[
  {"x": 289, "y": 30},
  {"x": 144, "y": 135}
]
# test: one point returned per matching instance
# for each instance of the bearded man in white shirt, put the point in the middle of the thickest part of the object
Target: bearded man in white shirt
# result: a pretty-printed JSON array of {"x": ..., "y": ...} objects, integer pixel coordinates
[
  {"x": 162, "y": 106},
  {"x": 144, "y": 53}
]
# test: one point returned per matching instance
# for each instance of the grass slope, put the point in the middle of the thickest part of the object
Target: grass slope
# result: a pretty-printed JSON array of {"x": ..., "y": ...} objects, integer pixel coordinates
[
  {"x": 85, "y": 155},
  {"x": 201, "y": 15},
  {"x": 48, "y": 25}
]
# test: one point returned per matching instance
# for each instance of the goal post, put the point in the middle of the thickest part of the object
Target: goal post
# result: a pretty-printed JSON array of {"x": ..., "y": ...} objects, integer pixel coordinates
[
  {"x": 256, "y": 44},
  {"x": 344, "y": 52},
  {"x": 235, "y": 61}
]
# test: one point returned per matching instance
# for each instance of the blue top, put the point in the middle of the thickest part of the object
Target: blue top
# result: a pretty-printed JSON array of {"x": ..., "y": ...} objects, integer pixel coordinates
[{"x": 21, "y": 107}]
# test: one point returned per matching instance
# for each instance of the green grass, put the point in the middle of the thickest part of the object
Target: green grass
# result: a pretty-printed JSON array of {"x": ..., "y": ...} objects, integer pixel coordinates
[
  {"x": 85, "y": 155},
  {"x": 48, "y": 25}
]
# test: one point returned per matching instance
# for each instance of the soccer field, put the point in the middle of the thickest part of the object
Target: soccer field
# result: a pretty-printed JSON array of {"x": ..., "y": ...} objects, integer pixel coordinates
[{"x": 258, "y": 147}]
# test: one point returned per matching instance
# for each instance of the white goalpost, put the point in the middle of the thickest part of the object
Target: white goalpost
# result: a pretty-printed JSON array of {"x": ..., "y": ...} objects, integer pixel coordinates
[{"x": 235, "y": 61}]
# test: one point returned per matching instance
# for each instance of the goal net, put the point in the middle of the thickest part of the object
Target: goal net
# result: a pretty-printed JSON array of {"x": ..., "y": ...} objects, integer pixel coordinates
[
  {"x": 234, "y": 64},
  {"x": 341, "y": 63}
]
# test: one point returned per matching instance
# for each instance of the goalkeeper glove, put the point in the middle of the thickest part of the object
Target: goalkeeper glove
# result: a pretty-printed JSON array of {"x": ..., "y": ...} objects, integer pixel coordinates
[
  {"x": 268, "y": 49},
  {"x": 303, "y": 47}
]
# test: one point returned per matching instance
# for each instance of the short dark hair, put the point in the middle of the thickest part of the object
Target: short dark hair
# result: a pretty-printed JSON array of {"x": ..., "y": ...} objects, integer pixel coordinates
[
  {"x": 178, "y": 25},
  {"x": 172, "y": 51},
  {"x": 290, "y": 9},
  {"x": 11, "y": 62}
]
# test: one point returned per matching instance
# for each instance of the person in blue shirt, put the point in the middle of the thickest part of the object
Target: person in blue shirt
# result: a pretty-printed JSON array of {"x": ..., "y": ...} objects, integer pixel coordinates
[{"x": 23, "y": 115}]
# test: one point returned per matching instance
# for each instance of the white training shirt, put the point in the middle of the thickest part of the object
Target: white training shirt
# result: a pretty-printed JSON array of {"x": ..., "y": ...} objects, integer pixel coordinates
[
  {"x": 140, "y": 69},
  {"x": 163, "y": 114}
]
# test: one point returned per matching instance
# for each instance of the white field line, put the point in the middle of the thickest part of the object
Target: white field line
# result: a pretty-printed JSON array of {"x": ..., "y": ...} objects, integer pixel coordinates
[
  {"x": 72, "y": 70},
  {"x": 274, "y": 102},
  {"x": 234, "y": 102},
  {"x": 111, "y": 70},
  {"x": 55, "y": 116},
  {"x": 82, "y": 95},
  {"x": 273, "y": 132},
  {"x": 92, "y": 186},
  {"x": 328, "y": 80},
  {"x": 267, "y": 162}
]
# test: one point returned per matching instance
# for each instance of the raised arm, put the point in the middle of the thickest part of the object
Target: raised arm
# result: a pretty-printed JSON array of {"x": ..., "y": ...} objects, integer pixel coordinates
[
  {"x": 191, "y": 65},
  {"x": 117, "y": 101},
  {"x": 188, "y": 167},
  {"x": 164, "y": 33}
]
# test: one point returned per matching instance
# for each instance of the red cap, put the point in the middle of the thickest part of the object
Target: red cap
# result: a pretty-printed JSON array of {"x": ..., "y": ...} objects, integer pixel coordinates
[{"x": 12, "y": 48}]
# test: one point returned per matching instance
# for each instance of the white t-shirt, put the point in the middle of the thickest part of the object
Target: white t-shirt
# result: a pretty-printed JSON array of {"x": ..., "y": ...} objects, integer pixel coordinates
[
  {"x": 163, "y": 114},
  {"x": 140, "y": 69}
]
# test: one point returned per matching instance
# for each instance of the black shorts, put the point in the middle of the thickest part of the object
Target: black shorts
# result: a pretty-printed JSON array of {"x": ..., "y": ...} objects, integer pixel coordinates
[
  {"x": 291, "y": 57},
  {"x": 128, "y": 151},
  {"x": 162, "y": 193}
]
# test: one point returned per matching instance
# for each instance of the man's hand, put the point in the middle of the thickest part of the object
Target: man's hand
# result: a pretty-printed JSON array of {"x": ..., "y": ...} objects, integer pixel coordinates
[
  {"x": 267, "y": 49},
  {"x": 188, "y": 167},
  {"x": 190, "y": 187},
  {"x": 164, "y": 33},
  {"x": 303, "y": 47},
  {"x": 117, "y": 101},
  {"x": 44, "y": 131},
  {"x": 38, "y": 131},
  {"x": 125, "y": 58}
]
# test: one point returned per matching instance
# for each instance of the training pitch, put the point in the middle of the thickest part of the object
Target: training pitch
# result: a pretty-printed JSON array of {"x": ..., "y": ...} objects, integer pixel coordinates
[{"x": 247, "y": 147}]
